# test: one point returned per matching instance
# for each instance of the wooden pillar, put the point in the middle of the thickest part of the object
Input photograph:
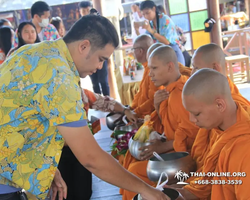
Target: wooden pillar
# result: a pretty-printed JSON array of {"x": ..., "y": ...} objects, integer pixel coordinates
[
  {"x": 247, "y": 7},
  {"x": 214, "y": 12},
  {"x": 98, "y": 5}
]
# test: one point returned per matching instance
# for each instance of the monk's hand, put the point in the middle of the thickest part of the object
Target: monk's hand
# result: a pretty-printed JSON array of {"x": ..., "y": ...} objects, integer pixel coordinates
[
  {"x": 159, "y": 97},
  {"x": 131, "y": 115},
  {"x": 147, "y": 151},
  {"x": 59, "y": 186}
]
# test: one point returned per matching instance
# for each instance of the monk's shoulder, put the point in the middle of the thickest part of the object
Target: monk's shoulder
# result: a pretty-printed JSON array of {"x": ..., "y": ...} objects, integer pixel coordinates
[{"x": 236, "y": 149}]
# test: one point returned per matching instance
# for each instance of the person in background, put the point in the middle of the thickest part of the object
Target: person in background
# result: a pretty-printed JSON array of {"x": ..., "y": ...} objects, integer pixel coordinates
[
  {"x": 58, "y": 23},
  {"x": 84, "y": 7},
  {"x": 100, "y": 77},
  {"x": 40, "y": 12},
  {"x": 5, "y": 22},
  {"x": 161, "y": 28},
  {"x": 6, "y": 37},
  {"x": 137, "y": 17},
  {"x": 26, "y": 35}
]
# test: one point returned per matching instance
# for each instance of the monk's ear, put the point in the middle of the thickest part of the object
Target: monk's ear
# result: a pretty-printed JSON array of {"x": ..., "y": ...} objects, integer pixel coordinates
[
  {"x": 216, "y": 67},
  {"x": 221, "y": 105},
  {"x": 171, "y": 66}
]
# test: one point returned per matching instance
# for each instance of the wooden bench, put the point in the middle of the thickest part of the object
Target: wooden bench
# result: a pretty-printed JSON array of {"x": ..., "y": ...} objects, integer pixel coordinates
[{"x": 244, "y": 61}]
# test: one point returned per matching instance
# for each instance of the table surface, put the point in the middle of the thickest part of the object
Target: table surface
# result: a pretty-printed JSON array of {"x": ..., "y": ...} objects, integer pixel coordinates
[
  {"x": 127, "y": 79},
  {"x": 232, "y": 58}
]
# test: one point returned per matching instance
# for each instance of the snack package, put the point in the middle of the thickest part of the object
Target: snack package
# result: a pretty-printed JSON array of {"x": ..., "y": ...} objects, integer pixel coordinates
[{"x": 144, "y": 131}]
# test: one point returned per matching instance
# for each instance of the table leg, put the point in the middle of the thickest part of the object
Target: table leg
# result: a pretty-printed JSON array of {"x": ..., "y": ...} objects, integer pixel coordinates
[
  {"x": 242, "y": 68},
  {"x": 231, "y": 71},
  {"x": 247, "y": 69}
]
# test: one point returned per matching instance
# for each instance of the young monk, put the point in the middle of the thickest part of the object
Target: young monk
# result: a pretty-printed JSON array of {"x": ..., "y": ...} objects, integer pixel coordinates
[
  {"x": 207, "y": 97},
  {"x": 211, "y": 56},
  {"x": 180, "y": 132},
  {"x": 143, "y": 103}
]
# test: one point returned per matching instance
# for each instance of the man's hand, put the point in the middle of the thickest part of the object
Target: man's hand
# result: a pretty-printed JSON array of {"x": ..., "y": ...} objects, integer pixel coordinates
[
  {"x": 159, "y": 97},
  {"x": 154, "y": 194},
  {"x": 131, "y": 115},
  {"x": 185, "y": 193},
  {"x": 59, "y": 186},
  {"x": 147, "y": 151}
]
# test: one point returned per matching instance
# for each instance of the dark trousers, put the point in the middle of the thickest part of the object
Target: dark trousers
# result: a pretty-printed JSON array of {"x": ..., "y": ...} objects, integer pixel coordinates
[
  {"x": 187, "y": 58},
  {"x": 101, "y": 78},
  {"x": 11, "y": 196},
  {"x": 77, "y": 178}
]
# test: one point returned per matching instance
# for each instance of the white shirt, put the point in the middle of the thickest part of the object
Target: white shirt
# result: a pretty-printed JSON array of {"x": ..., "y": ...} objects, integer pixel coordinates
[
  {"x": 40, "y": 35},
  {"x": 137, "y": 18}
]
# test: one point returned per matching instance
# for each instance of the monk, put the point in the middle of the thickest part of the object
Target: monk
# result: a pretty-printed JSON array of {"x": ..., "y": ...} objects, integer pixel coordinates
[
  {"x": 179, "y": 131},
  {"x": 143, "y": 100},
  {"x": 143, "y": 103},
  {"x": 211, "y": 56},
  {"x": 207, "y": 97}
]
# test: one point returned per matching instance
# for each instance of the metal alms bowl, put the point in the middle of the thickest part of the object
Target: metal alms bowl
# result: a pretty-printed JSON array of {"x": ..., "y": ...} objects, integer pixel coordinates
[
  {"x": 123, "y": 130},
  {"x": 172, "y": 163},
  {"x": 134, "y": 147},
  {"x": 171, "y": 193}
]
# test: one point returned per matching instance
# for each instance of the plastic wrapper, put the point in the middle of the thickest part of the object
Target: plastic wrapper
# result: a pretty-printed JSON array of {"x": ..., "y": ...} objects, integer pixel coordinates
[{"x": 144, "y": 131}]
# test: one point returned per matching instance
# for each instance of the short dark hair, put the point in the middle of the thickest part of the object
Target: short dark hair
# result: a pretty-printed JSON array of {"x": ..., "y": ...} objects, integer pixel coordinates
[
  {"x": 38, "y": 8},
  {"x": 5, "y": 39},
  {"x": 21, "y": 42},
  {"x": 84, "y": 4},
  {"x": 2, "y": 21},
  {"x": 97, "y": 29},
  {"x": 56, "y": 22},
  {"x": 147, "y": 5}
]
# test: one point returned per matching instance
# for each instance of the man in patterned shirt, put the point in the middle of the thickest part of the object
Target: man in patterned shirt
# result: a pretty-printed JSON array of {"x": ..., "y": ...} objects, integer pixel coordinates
[{"x": 41, "y": 108}]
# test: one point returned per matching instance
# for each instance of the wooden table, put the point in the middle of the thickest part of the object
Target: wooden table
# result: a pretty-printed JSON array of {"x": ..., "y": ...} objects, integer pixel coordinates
[
  {"x": 128, "y": 88},
  {"x": 243, "y": 60}
]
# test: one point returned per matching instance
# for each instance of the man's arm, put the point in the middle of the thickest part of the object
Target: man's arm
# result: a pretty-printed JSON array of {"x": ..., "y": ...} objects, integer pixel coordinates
[{"x": 91, "y": 156}]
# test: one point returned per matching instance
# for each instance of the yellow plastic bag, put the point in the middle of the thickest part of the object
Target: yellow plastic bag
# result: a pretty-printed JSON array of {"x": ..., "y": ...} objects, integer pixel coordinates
[{"x": 142, "y": 135}]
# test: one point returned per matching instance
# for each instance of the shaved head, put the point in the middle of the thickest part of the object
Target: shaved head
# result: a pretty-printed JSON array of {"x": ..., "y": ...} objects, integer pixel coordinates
[
  {"x": 165, "y": 54},
  {"x": 144, "y": 41},
  {"x": 207, "y": 97},
  {"x": 140, "y": 47},
  {"x": 163, "y": 65},
  {"x": 206, "y": 85},
  {"x": 209, "y": 56},
  {"x": 153, "y": 47}
]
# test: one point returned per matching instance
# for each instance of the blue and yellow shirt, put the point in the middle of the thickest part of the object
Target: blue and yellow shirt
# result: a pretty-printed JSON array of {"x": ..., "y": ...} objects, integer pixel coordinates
[{"x": 38, "y": 91}]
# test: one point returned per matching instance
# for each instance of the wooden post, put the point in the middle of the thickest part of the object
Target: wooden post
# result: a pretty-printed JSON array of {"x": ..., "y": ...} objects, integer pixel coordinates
[
  {"x": 214, "y": 12},
  {"x": 97, "y": 4},
  {"x": 247, "y": 6}
]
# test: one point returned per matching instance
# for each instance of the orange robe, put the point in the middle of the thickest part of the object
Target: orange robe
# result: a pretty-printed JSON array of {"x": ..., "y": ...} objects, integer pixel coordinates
[
  {"x": 186, "y": 71},
  {"x": 228, "y": 153},
  {"x": 143, "y": 103},
  {"x": 177, "y": 127}
]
